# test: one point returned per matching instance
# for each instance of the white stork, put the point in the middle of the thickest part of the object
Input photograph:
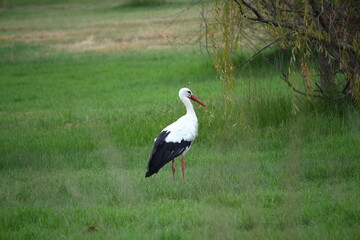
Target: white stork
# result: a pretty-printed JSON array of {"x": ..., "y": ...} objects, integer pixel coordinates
[{"x": 175, "y": 139}]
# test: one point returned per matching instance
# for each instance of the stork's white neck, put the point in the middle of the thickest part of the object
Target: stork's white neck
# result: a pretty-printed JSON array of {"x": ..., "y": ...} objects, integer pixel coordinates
[{"x": 189, "y": 107}]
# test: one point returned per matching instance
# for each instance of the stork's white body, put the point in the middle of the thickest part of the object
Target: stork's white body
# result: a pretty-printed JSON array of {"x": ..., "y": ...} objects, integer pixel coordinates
[
  {"x": 185, "y": 128},
  {"x": 175, "y": 139}
]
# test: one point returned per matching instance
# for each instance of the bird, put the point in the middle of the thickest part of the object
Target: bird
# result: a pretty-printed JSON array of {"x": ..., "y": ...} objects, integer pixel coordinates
[{"x": 175, "y": 140}]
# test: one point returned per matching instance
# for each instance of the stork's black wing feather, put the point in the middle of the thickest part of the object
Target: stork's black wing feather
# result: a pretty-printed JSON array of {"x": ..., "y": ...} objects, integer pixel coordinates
[
  {"x": 163, "y": 152},
  {"x": 158, "y": 142}
]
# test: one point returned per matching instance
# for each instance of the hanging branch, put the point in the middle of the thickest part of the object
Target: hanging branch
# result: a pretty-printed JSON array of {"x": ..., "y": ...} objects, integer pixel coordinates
[
  {"x": 329, "y": 97},
  {"x": 261, "y": 18},
  {"x": 285, "y": 77},
  {"x": 255, "y": 54},
  {"x": 206, "y": 30}
]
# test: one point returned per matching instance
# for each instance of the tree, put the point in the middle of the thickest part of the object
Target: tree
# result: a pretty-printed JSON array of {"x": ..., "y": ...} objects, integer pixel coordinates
[{"x": 323, "y": 37}]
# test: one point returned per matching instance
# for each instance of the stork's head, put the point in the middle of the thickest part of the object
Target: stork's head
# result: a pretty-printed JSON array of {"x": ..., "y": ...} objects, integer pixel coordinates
[{"x": 185, "y": 92}]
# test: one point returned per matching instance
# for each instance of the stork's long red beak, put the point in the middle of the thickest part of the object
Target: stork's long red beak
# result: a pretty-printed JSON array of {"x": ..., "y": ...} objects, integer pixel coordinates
[{"x": 192, "y": 97}]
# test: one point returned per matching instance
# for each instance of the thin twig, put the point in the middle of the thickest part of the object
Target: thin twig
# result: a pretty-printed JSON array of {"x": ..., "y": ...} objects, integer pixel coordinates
[
  {"x": 259, "y": 51},
  {"x": 263, "y": 19},
  {"x": 286, "y": 79},
  {"x": 331, "y": 98},
  {"x": 206, "y": 30},
  {"x": 178, "y": 15}
]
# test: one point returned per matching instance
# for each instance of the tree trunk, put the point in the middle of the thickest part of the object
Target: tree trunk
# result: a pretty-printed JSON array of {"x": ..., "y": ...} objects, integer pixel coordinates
[{"x": 327, "y": 73}]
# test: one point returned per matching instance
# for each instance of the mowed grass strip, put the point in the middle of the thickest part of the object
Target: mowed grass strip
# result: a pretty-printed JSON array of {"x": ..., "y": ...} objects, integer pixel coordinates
[{"x": 104, "y": 27}]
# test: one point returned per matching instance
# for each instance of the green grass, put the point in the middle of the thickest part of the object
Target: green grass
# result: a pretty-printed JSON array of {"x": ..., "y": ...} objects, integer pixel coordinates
[{"x": 76, "y": 130}]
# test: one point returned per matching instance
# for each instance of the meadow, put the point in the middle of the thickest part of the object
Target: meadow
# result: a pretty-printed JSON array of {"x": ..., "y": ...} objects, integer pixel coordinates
[{"x": 85, "y": 87}]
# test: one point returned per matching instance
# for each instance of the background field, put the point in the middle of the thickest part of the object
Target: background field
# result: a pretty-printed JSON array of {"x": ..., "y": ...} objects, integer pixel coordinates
[{"x": 85, "y": 88}]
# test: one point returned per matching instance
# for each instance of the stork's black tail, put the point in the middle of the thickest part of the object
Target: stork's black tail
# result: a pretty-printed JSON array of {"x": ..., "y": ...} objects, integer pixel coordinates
[{"x": 148, "y": 174}]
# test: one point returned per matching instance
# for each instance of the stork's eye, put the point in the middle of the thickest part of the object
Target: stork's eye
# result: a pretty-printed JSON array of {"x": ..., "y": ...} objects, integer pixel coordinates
[{"x": 189, "y": 92}]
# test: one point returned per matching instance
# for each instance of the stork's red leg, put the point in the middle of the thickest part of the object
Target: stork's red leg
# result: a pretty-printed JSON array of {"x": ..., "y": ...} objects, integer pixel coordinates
[
  {"x": 183, "y": 167},
  {"x": 173, "y": 169}
]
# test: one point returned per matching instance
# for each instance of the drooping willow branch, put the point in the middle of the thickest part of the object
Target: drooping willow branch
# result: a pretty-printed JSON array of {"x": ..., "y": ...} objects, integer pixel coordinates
[
  {"x": 316, "y": 28},
  {"x": 258, "y": 52}
]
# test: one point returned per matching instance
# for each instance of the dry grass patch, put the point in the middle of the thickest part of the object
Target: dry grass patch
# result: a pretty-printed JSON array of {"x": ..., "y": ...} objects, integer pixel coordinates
[{"x": 116, "y": 30}]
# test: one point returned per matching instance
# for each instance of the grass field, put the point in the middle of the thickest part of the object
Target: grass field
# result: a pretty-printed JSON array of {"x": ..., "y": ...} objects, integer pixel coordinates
[{"x": 85, "y": 88}]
